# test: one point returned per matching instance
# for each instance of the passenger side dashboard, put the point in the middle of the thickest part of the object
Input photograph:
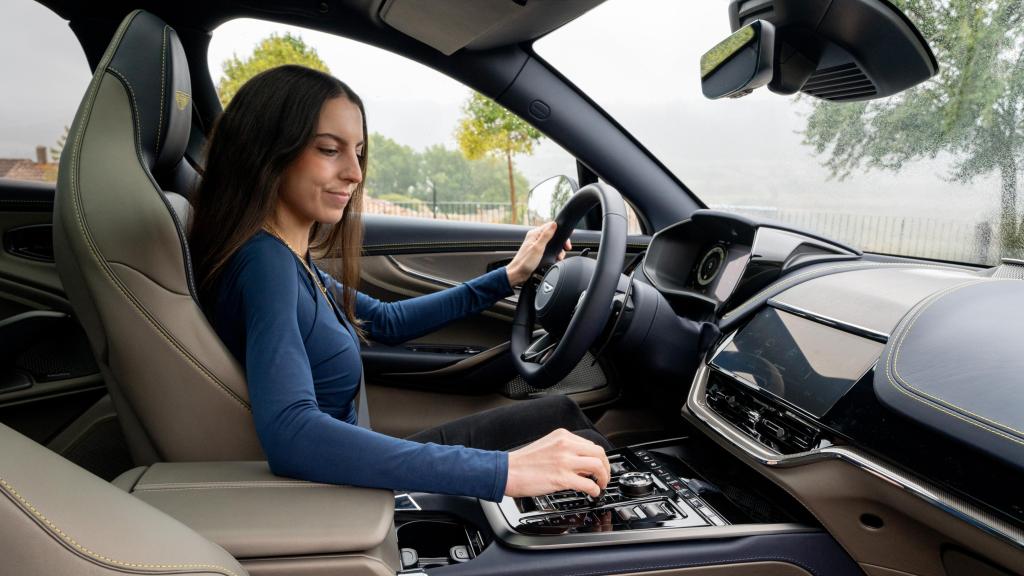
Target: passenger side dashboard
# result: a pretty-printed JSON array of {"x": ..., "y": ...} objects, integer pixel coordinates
[{"x": 790, "y": 390}]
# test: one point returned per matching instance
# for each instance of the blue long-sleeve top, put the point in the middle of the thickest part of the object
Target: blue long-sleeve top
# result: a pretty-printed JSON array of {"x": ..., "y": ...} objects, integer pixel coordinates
[{"x": 303, "y": 370}]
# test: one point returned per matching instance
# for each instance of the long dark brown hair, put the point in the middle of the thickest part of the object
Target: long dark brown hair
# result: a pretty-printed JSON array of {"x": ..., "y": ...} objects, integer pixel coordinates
[{"x": 266, "y": 126}]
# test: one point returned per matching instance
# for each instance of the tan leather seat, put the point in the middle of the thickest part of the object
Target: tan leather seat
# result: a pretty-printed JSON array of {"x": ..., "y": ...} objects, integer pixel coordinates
[
  {"x": 122, "y": 256},
  {"x": 58, "y": 519}
]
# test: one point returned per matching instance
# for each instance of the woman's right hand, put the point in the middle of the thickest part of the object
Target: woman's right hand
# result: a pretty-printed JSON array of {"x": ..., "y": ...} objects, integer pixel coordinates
[{"x": 559, "y": 461}]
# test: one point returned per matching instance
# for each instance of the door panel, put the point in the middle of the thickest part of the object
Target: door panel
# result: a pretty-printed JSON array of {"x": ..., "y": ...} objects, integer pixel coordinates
[
  {"x": 465, "y": 367},
  {"x": 51, "y": 389}
]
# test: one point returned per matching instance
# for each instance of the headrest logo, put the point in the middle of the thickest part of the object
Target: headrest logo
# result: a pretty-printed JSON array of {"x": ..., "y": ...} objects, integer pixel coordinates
[{"x": 181, "y": 99}]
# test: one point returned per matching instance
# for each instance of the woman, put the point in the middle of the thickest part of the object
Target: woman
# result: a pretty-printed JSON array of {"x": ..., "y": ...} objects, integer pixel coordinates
[{"x": 283, "y": 180}]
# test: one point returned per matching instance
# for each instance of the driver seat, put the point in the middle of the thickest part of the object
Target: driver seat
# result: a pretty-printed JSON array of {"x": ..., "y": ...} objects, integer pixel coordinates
[{"x": 121, "y": 252}]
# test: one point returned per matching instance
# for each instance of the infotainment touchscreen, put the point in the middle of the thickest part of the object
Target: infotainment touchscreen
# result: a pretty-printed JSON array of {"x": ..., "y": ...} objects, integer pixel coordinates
[{"x": 807, "y": 364}]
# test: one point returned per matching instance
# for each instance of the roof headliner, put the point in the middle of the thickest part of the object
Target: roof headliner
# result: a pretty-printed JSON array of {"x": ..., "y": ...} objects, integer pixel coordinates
[{"x": 532, "y": 18}]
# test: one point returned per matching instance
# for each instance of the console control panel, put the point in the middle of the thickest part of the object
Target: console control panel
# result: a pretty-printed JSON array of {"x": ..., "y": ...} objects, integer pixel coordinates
[
  {"x": 768, "y": 422},
  {"x": 643, "y": 493}
]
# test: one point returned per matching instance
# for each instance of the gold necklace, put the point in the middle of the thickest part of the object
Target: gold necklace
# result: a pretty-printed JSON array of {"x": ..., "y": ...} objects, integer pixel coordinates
[{"x": 316, "y": 281}]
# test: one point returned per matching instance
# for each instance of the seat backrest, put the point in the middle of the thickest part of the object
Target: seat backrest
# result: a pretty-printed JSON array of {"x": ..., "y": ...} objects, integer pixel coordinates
[
  {"x": 123, "y": 259},
  {"x": 56, "y": 518}
]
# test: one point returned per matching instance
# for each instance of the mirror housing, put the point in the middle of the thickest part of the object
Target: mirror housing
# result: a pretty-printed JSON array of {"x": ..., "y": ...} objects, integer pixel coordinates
[
  {"x": 547, "y": 198},
  {"x": 740, "y": 63},
  {"x": 840, "y": 50}
]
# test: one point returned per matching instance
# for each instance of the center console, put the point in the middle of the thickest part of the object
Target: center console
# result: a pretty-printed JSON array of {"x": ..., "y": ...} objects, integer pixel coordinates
[
  {"x": 682, "y": 500},
  {"x": 643, "y": 493},
  {"x": 672, "y": 490}
]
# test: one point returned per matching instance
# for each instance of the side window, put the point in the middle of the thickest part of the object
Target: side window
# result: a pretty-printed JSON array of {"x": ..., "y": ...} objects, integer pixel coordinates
[
  {"x": 46, "y": 74},
  {"x": 435, "y": 150}
]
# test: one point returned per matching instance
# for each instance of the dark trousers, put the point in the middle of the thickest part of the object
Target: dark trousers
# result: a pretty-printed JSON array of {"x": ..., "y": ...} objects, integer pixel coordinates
[{"x": 513, "y": 426}]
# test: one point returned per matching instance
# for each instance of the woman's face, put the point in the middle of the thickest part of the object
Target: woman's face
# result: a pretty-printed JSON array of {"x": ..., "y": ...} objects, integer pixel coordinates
[{"x": 318, "y": 185}]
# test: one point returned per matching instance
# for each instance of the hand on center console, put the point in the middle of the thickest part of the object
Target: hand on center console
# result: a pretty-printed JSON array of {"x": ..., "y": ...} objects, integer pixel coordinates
[{"x": 559, "y": 461}]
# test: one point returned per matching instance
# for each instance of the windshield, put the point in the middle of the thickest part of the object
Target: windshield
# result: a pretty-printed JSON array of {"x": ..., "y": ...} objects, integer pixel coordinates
[{"x": 932, "y": 172}]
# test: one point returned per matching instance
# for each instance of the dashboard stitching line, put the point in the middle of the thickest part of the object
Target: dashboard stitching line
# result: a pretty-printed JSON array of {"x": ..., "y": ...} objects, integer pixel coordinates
[{"x": 898, "y": 382}]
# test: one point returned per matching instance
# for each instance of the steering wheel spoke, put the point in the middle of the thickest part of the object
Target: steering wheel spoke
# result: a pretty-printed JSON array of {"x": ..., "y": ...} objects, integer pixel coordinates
[{"x": 540, "y": 348}]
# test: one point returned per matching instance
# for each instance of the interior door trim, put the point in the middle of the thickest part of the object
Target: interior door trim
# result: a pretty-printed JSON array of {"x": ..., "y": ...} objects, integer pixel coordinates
[{"x": 443, "y": 283}]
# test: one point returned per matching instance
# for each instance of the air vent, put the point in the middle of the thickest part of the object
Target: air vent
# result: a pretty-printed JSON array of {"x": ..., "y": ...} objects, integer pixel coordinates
[{"x": 844, "y": 82}]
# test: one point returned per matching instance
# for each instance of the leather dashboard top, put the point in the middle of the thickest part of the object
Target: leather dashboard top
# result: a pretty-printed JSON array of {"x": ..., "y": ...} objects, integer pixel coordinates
[{"x": 954, "y": 363}]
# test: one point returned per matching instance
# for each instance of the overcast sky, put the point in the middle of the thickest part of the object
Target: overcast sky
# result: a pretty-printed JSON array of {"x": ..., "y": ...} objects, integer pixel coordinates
[{"x": 637, "y": 58}]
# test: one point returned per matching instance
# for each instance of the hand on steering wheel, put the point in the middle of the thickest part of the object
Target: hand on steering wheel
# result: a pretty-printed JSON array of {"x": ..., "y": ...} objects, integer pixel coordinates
[
  {"x": 574, "y": 299},
  {"x": 530, "y": 253}
]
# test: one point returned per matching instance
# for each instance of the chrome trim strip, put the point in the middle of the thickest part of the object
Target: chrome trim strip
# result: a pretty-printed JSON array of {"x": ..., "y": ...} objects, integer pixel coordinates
[
  {"x": 443, "y": 282},
  {"x": 405, "y": 502},
  {"x": 504, "y": 532},
  {"x": 701, "y": 414},
  {"x": 457, "y": 367},
  {"x": 843, "y": 325}
]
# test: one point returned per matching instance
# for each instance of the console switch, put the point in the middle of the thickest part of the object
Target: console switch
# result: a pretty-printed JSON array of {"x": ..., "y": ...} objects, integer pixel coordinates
[
  {"x": 459, "y": 554},
  {"x": 626, "y": 514},
  {"x": 655, "y": 511}
]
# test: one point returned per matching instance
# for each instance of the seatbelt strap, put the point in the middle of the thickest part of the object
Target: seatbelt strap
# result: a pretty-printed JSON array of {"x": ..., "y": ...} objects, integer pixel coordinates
[{"x": 363, "y": 407}]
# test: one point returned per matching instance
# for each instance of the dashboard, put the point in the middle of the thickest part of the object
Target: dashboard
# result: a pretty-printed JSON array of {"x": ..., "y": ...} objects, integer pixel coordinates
[
  {"x": 809, "y": 332},
  {"x": 844, "y": 380}
]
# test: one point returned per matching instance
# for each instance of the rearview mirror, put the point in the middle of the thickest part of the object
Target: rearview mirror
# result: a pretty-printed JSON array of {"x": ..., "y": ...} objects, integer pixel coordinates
[{"x": 740, "y": 63}]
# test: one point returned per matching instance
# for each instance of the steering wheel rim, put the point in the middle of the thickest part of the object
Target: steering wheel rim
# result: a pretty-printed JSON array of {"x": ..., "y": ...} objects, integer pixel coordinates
[{"x": 594, "y": 306}]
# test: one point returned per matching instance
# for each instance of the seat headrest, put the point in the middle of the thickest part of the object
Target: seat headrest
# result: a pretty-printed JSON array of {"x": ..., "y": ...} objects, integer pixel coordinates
[{"x": 150, "y": 60}]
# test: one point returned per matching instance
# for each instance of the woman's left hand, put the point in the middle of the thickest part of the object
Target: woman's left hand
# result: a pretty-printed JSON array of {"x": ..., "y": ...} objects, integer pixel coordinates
[{"x": 529, "y": 254}]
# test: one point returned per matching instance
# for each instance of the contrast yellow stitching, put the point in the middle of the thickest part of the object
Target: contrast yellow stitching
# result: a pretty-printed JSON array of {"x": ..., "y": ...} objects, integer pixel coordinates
[
  {"x": 163, "y": 59},
  {"x": 892, "y": 371},
  {"x": 80, "y": 217},
  {"x": 231, "y": 485},
  {"x": 851, "y": 266},
  {"x": 216, "y": 488},
  {"x": 135, "y": 106},
  {"x": 106, "y": 559}
]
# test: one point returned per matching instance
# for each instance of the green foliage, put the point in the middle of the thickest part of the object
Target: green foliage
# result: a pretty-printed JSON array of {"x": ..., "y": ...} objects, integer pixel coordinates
[
  {"x": 488, "y": 129},
  {"x": 271, "y": 52},
  {"x": 398, "y": 171},
  {"x": 393, "y": 169},
  {"x": 973, "y": 110},
  {"x": 398, "y": 198}
]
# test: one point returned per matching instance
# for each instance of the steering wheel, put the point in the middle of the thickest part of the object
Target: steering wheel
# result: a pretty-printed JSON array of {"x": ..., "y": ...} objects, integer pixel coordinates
[{"x": 573, "y": 300}]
